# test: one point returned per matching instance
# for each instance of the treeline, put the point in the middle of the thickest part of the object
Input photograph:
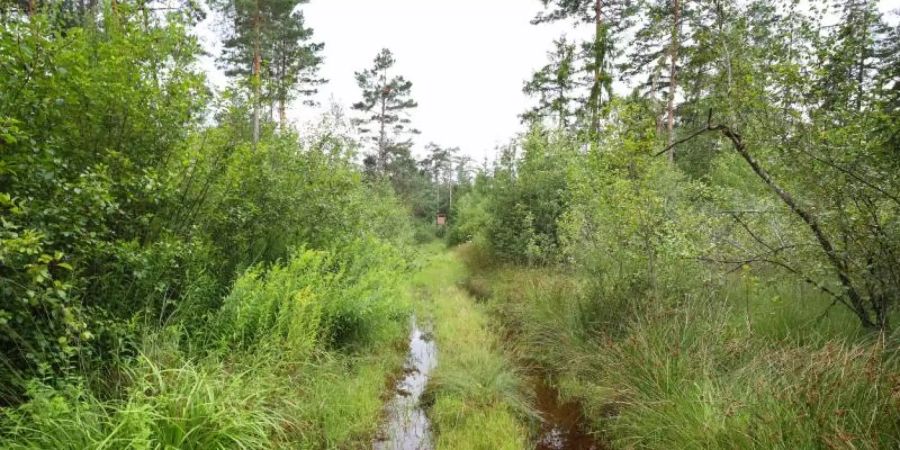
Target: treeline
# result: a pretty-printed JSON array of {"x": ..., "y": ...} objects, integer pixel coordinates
[
  {"x": 780, "y": 131},
  {"x": 709, "y": 261},
  {"x": 179, "y": 268}
]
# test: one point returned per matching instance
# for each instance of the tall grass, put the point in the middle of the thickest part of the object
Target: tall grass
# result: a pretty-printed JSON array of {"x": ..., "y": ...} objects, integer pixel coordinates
[
  {"x": 477, "y": 399},
  {"x": 743, "y": 362},
  {"x": 296, "y": 357}
]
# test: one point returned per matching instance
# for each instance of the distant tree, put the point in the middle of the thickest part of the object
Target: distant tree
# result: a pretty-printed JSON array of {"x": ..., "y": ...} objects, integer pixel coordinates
[
  {"x": 557, "y": 86},
  {"x": 439, "y": 165},
  {"x": 385, "y": 105},
  {"x": 853, "y": 55},
  {"x": 294, "y": 63},
  {"x": 610, "y": 18},
  {"x": 268, "y": 37}
]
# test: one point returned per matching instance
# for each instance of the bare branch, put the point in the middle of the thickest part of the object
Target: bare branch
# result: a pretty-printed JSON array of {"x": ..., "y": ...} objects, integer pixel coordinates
[{"x": 856, "y": 303}]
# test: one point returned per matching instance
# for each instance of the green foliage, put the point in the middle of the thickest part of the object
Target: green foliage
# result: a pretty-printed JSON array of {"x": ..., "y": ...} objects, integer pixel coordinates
[
  {"x": 275, "y": 32},
  {"x": 476, "y": 396},
  {"x": 165, "y": 282},
  {"x": 274, "y": 325},
  {"x": 471, "y": 214},
  {"x": 693, "y": 305},
  {"x": 526, "y": 198},
  {"x": 744, "y": 362},
  {"x": 557, "y": 87},
  {"x": 83, "y": 158},
  {"x": 385, "y": 123}
]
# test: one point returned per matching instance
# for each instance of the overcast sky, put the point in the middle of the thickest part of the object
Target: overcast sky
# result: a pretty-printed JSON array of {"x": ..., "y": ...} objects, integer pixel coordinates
[{"x": 467, "y": 59}]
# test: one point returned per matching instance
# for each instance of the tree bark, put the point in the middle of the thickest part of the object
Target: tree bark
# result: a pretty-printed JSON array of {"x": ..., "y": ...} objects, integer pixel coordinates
[
  {"x": 596, "y": 89},
  {"x": 673, "y": 69},
  {"x": 257, "y": 62}
]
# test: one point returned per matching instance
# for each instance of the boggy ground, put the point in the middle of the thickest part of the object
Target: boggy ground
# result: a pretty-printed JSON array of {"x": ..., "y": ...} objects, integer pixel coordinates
[
  {"x": 735, "y": 365},
  {"x": 483, "y": 393}
]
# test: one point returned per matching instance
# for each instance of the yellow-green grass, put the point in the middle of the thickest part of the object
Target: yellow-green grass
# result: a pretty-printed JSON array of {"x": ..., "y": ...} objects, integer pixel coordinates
[
  {"x": 476, "y": 397},
  {"x": 745, "y": 364}
]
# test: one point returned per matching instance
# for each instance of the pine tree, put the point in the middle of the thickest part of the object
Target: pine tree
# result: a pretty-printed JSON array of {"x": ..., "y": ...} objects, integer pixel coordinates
[
  {"x": 656, "y": 52},
  {"x": 852, "y": 55},
  {"x": 294, "y": 63},
  {"x": 610, "y": 18},
  {"x": 557, "y": 86},
  {"x": 268, "y": 38},
  {"x": 386, "y": 102}
]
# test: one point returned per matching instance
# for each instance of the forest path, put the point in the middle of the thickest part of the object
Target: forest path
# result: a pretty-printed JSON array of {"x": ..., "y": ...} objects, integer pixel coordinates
[{"x": 476, "y": 397}]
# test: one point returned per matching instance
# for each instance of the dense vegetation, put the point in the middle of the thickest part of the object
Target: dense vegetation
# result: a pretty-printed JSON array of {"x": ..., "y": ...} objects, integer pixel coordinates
[
  {"x": 741, "y": 292},
  {"x": 171, "y": 278},
  {"x": 711, "y": 260}
]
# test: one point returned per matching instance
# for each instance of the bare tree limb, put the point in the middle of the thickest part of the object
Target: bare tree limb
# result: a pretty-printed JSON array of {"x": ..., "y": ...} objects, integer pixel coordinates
[{"x": 855, "y": 303}]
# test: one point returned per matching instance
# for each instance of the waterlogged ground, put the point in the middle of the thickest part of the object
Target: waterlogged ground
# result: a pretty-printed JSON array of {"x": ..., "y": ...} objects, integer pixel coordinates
[
  {"x": 407, "y": 427},
  {"x": 562, "y": 423},
  {"x": 477, "y": 397}
]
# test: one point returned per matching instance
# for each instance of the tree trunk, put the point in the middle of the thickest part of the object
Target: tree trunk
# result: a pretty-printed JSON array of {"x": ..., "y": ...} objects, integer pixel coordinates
[
  {"x": 257, "y": 61},
  {"x": 382, "y": 137},
  {"x": 836, "y": 261},
  {"x": 450, "y": 206},
  {"x": 673, "y": 72},
  {"x": 256, "y": 103},
  {"x": 599, "y": 43}
]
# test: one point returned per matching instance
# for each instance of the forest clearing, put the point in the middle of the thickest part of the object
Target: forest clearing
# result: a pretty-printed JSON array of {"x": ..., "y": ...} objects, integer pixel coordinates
[{"x": 407, "y": 225}]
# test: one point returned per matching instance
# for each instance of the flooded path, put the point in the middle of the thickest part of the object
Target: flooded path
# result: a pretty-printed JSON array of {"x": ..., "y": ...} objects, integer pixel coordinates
[
  {"x": 407, "y": 426},
  {"x": 561, "y": 422}
]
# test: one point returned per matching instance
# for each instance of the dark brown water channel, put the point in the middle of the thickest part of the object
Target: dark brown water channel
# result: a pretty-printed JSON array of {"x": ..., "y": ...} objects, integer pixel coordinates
[
  {"x": 407, "y": 426},
  {"x": 562, "y": 423}
]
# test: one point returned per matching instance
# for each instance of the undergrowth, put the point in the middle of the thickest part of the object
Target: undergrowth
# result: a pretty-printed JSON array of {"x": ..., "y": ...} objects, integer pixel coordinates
[
  {"x": 296, "y": 357},
  {"x": 745, "y": 362},
  {"x": 476, "y": 398}
]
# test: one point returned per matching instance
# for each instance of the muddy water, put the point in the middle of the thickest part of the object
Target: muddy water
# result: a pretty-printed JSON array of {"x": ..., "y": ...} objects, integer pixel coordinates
[
  {"x": 561, "y": 422},
  {"x": 407, "y": 427}
]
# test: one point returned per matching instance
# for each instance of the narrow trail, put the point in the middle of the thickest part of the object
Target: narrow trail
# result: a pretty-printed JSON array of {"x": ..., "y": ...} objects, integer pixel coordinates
[
  {"x": 407, "y": 427},
  {"x": 476, "y": 396}
]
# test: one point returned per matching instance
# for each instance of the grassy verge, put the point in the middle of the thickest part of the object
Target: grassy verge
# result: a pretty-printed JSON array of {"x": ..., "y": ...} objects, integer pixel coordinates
[
  {"x": 296, "y": 357},
  {"x": 743, "y": 364},
  {"x": 475, "y": 397}
]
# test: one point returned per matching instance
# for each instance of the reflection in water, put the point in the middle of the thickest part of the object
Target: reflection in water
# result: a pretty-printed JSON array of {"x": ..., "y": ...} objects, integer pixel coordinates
[
  {"x": 561, "y": 424},
  {"x": 407, "y": 427}
]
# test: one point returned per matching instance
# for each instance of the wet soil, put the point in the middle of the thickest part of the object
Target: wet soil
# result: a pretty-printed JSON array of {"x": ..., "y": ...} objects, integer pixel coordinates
[
  {"x": 407, "y": 427},
  {"x": 562, "y": 423}
]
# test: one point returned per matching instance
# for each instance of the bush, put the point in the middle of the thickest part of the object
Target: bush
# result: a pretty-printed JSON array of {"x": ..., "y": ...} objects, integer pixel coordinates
[{"x": 273, "y": 372}]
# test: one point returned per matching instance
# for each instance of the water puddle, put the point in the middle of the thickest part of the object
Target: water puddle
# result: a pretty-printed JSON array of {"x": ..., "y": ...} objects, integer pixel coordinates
[
  {"x": 407, "y": 427},
  {"x": 561, "y": 422}
]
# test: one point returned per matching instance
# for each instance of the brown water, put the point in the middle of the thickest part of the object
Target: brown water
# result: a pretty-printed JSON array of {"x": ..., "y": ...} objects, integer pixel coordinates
[
  {"x": 561, "y": 422},
  {"x": 407, "y": 426}
]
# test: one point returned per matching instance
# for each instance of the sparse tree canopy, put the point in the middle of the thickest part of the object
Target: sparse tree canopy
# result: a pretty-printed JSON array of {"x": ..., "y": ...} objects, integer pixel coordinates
[
  {"x": 384, "y": 108},
  {"x": 558, "y": 86}
]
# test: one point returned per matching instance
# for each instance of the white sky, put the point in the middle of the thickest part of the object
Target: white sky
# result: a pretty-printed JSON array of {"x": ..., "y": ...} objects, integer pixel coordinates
[{"x": 467, "y": 59}]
